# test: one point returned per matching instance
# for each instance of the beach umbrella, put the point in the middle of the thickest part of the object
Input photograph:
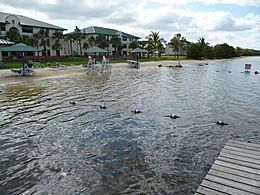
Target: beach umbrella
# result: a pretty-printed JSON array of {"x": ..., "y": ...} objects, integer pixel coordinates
[
  {"x": 95, "y": 50},
  {"x": 137, "y": 51},
  {"x": 20, "y": 47}
]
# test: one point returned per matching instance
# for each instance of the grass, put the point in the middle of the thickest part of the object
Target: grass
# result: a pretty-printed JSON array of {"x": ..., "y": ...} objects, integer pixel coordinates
[{"x": 82, "y": 60}]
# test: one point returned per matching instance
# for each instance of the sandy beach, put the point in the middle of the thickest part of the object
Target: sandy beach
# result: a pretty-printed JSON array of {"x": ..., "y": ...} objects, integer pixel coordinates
[{"x": 6, "y": 76}]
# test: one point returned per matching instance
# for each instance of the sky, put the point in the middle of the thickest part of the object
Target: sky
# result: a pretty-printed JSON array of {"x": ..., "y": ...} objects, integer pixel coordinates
[{"x": 235, "y": 22}]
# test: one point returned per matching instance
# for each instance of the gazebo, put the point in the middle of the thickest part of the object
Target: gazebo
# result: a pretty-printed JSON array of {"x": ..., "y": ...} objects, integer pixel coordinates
[{"x": 136, "y": 64}]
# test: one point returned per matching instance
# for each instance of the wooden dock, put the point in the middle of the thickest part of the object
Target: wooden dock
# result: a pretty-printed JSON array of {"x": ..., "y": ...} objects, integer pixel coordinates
[{"x": 235, "y": 171}]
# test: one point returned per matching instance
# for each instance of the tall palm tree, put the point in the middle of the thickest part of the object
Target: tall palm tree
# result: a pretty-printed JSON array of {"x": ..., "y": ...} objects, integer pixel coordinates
[
  {"x": 44, "y": 40},
  {"x": 57, "y": 45},
  {"x": 154, "y": 42},
  {"x": 116, "y": 42},
  {"x": 70, "y": 37},
  {"x": 178, "y": 44},
  {"x": 79, "y": 37},
  {"x": 203, "y": 45}
]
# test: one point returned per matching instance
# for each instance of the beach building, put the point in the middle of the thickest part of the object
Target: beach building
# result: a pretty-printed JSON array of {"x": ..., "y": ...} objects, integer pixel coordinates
[
  {"x": 27, "y": 27},
  {"x": 91, "y": 33}
]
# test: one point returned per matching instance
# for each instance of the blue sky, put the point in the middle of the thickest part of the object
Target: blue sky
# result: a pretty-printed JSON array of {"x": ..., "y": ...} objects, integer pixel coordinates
[{"x": 236, "y": 22}]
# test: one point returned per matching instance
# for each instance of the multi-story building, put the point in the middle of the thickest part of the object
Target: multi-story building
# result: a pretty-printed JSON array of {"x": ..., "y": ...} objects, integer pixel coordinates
[
  {"x": 94, "y": 31},
  {"x": 28, "y": 26}
]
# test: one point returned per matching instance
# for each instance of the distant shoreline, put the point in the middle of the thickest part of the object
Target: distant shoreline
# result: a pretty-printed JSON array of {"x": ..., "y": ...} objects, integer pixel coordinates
[{"x": 6, "y": 77}]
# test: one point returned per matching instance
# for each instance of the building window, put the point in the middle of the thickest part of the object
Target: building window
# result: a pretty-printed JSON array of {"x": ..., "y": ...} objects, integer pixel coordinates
[
  {"x": 27, "y": 29},
  {"x": 13, "y": 21},
  {"x": 124, "y": 45},
  {"x": 124, "y": 53},
  {"x": 2, "y": 27},
  {"x": 124, "y": 39}
]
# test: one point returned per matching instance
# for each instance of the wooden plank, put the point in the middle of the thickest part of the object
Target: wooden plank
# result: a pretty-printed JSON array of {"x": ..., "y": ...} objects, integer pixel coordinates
[
  {"x": 204, "y": 190},
  {"x": 238, "y": 167},
  {"x": 238, "y": 162},
  {"x": 242, "y": 150},
  {"x": 224, "y": 188},
  {"x": 233, "y": 184},
  {"x": 247, "y": 147},
  {"x": 246, "y": 144},
  {"x": 236, "y": 172},
  {"x": 241, "y": 158},
  {"x": 250, "y": 182},
  {"x": 241, "y": 154}
]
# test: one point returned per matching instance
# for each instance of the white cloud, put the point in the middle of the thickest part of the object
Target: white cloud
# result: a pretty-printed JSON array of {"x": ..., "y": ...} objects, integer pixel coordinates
[
  {"x": 233, "y": 2},
  {"x": 138, "y": 18}
]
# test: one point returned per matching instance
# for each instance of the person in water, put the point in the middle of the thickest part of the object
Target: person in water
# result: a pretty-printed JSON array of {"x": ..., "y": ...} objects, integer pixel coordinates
[{"x": 221, "y": 123}]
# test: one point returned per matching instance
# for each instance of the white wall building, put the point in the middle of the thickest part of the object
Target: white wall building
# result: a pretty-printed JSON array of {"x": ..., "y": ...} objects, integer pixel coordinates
[
  {"x": 28, "y": 26},
  {"x": 108, "y": 33}
]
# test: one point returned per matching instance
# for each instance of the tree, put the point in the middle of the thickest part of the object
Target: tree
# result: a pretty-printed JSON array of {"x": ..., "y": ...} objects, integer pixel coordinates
[
  {"x": 57, "y": 45},
  {"x": 178, "y": 44},
  {"x": 13, "y": 35},
  {"x": 194, "y": 51},
  {"x": 92, "y": 41},
  {"x": 101, "y": 41},
  {"x": 116, "y": 44},
  {"x": 224, "y": 51},
  {"x": 134, "y": 44},
  {"x": 70, "y": 37},
  {"x": 44, "y": 41},
  {"x": 154, "y": 43},
  {"x": 79, "y": 36}
]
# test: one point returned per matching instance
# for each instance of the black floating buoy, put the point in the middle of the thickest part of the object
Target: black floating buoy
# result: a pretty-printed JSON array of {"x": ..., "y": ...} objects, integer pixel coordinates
[
  {"x": 48, "y": 98},
  {"x": 160, "y": 65},
  {"x": 15, "y": 93},
  {"x": 256, "y": 72},
  {"x": 103, "y": 107},
  {"x": 173, "y": 116},
  {"x": 136, "y": 111},
  {"x": 221, "y": 123},
  {"x": 72, "y": 102}
]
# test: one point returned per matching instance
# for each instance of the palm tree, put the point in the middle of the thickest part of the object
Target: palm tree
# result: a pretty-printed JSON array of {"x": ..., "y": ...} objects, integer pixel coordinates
[
  {"x": 154, "y": 42},
  {"x": 203, "y": 45},
  {"x": 178, "y": 44},
  {"x": 79, "y": 36},
  {"x": 116, "y": 44},
  {"x": 44, "y": 41},
  {"x": 57, "y": 45},
  {"x": 70, "y": 37}
]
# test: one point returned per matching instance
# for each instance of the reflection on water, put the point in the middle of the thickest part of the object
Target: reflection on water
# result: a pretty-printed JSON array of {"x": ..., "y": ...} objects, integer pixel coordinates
[{"x": 48, "y": 145}]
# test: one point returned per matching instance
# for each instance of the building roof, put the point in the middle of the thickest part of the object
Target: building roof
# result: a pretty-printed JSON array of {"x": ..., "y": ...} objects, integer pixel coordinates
[
  {"x": 106, "y": 31},
  {"x": 26, "y": 21}
]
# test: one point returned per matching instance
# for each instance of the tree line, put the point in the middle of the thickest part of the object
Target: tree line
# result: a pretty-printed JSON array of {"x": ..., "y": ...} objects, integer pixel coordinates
[
  {"x": 198, "y": 50},
  {"x": 154, "y": 44}
]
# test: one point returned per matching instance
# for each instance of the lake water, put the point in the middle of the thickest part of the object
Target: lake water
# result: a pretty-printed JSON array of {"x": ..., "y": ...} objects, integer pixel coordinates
[{"x": 49, "y": 146}]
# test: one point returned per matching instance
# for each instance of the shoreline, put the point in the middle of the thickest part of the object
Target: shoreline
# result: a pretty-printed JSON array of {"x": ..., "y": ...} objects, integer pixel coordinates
[{"x": 6, "y": 76}]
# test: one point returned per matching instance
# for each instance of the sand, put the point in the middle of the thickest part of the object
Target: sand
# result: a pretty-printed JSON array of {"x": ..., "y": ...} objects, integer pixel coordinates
[{"x": 6, "y": 76}]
